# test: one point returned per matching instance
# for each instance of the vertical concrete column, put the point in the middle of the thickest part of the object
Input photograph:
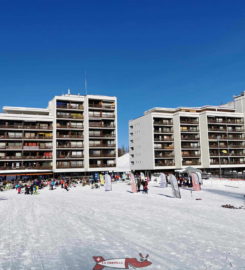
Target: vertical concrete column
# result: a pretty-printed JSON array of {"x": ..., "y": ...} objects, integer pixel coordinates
[
  {"x": 204, "y": 142},
  {"x": 86, "y": 133},
  {"x": 177, "y": 141}
]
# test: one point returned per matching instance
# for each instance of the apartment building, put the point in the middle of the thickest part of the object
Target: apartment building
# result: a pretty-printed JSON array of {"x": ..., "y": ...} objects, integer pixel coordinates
[
  {"x": 209, "y": 137},
  {"x": 74, "y": 134}
]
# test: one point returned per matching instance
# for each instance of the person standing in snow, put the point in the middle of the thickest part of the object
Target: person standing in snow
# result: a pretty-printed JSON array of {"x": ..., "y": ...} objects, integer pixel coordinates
[
  {"x": 19, "y": 188},
  {"x": 66, "y": 186},
  {"x": 145, "y": 186},
  {"x": 138, "y": 182}
]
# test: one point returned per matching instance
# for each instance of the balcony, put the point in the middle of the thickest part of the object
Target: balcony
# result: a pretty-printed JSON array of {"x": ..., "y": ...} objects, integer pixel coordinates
[
  {"x": 68, "y": 145},
  {"x": 106, "y": 135},
  {"x": 189, "y": 130},
  {"x": 226, "y": 121},
  {"x": 103, "y": 155},
  {"x": 24, "y": 157},
  {"x": 163, "y": 123},
  {"x": 189, "y": 138},
  {"x": 102, "y": 165},
  {"x": 189, "y": 146},
  {"x": 164, "y": 164},
  {"x": 190, "y": 155},
  {"x": 191, "y": 162},
  {"x": 59, "y": 126},
  {"x": 102, "y": 115},
  {"x": 159, "y": 156},
  {"x": 102, "y": 106},
  {"x": 226, "y": 138},
  {"x": 75, "y": 107},
  {"x": 102, "y": 145},
  {"x": 26, "y": 168},
  {"x": 221, "y": 154},
  {"x": 162, "y": 131},
  {"x": 101, "y": 125},
  {"x": 189, "y": 121},
  {"x": 23, "y": 127},
  {"x": 70, "y": 116},
  {"x": 227, "y": 162},
  {"x": 70, "y": 157},
  {"x": 166, "y": 139},
  {"x": 66, "y": 136},
  {"x": 30, "y": 138},
  {"x": 69, "y": 166}
]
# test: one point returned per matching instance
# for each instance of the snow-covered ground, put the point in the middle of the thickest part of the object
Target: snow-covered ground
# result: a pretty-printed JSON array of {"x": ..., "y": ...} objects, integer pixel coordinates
[{"x": 60, "y": 230}]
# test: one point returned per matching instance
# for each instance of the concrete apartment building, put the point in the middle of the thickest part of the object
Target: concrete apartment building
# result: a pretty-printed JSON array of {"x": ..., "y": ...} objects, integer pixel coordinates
[
  {"x": 74, "y": 134},
  {"x": 210, "y": 137}
]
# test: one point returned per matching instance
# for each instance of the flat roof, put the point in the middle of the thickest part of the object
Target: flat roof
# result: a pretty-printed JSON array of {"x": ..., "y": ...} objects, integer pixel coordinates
[
  {"x": 25, "y": 110},
  {"x": 221, "y": 108}
]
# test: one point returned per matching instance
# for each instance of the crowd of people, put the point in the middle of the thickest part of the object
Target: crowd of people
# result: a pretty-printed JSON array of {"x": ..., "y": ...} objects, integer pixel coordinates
[{"x": 32, "y": 187}]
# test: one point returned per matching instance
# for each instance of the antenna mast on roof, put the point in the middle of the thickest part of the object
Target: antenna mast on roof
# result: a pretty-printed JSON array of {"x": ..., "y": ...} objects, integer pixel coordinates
[{"x": 85, "y": 83}]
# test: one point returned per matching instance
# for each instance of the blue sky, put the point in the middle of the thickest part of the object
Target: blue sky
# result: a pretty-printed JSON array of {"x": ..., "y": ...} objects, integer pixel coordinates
[{"x": 147, "y": 53}]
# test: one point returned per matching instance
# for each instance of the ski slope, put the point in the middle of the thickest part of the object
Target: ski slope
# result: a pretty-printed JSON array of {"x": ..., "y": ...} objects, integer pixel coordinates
[{"x": 60, "y": 230}]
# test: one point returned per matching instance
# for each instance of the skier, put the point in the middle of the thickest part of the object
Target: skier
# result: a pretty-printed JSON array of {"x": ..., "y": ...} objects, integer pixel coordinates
[
  {"x": 31, "y": 189},
  {"x": 138, "y": 181},
  {"x": 66, "y": 186},
  {"x": 145, "y": 186},
  {"x": 19, "y": 189}
]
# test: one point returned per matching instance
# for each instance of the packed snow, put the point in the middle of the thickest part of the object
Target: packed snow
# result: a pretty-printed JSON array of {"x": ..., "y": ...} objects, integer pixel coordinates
[{"x": 60, "y": 230}]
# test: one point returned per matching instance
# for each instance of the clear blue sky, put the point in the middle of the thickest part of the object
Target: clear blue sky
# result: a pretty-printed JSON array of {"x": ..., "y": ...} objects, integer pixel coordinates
[{"x": 147, "y": 53}]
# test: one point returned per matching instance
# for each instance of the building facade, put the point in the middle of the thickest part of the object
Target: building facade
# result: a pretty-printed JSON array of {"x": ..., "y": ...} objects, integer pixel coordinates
[
  {"x": 209, "y": 137},
  {"x": 74, "y": 134}
]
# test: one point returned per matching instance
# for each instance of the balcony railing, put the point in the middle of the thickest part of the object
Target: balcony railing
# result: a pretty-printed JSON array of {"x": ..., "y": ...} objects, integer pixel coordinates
[
  {"x": 164, "y": 156},
  {"x": 231, "y": 138},
  {"x": 68, "y": 136},
  {"x": 101, "y": 135},
  {"x": 101, "y": 125},
  {"x": 189, "y": 121},
  {"x": 67, "y": 166},
  {"x": 237, "y": 122},
  {"x": 102, "y": 165},
  {"x": 190, "y": 138},
  {"x": 190, "y": 155},
  {"x": 25, "y": 127},
  {"x": 161, "y": 123},
  {"x": 69, "y": 146},
  {"x": 164, "y": 164},
  {"x": 157, "y": 131},
  {"x": 226, "y": 162},
  {"x": 103, "y": 155},
  {"x": 170, "y": 139},
  {"x": 26, "y": 137},
  {"x": 102, "y": 106},
  {"x": 163, "y": 147},
  {"x": 70, "y": 107},
  {"x": 24, "y": 157},
  {"x": 70, "y": 116},
  {"x": 70, "y": 156},
  {"x": 102, "y": 145},
  {"x": 183, "y": 130},
  {"x": 190, "y": 146},
  {"x": 26, "y": 168},
  {"x": 102, "y": 115},
  {"x": 188, "y": 162},
  {"x": 216, "y": 154},
  {"x": 68, "y": 127}
]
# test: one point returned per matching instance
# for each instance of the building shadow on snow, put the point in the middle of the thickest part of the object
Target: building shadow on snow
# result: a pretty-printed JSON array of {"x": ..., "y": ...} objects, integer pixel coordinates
[{"x": 227, "y": 193}]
